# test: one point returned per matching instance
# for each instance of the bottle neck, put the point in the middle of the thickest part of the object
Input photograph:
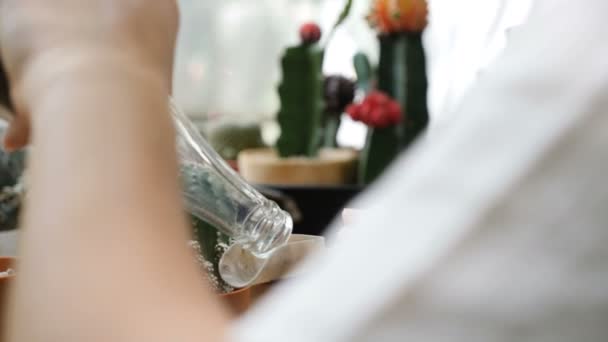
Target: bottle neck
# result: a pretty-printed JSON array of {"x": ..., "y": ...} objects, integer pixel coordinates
[{"x": 267, "y": 228}]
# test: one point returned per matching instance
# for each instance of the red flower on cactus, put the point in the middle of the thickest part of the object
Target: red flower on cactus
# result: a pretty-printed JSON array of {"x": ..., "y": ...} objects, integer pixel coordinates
[
  {"x": 390, "y": 16},
  {"x": 310, "y": 33},
  {"x": 377, "y": 110}
]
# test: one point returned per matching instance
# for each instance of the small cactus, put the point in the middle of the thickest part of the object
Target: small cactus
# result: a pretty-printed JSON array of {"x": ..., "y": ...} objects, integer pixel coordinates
[
  {"x": 382, "y": 114},
  {"x": 310, "y": 33},
  {"x": 302, "y": 105},
  {"x": 210, "y": 245},
  {"x": 365, "y": 73},
  {"x": 401, "y": 75},
  {"x": 306, "y": 120},
  {"x": 394, "y": 16},
  {"x": 229, "y": 140}
]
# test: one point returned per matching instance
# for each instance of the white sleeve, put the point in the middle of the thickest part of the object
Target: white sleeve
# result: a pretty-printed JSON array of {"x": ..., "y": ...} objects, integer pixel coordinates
[
  {"x": 464, "y": 37},
  {"x": 493, "y": 231}
]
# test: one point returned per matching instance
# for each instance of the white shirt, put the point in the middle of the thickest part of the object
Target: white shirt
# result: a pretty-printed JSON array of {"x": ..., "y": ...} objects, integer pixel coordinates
[
  {"x": 494, "y": 230},
  {"x": 464, "y": 37}
]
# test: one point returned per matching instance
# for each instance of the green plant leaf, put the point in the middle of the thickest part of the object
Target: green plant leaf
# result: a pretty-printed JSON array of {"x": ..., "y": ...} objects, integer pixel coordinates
[
  {"x": 345, "y": 12},
  {"x": 341, "y": 18}
]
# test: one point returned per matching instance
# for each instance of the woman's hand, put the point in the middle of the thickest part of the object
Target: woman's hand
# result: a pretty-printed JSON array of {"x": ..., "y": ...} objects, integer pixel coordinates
[
  {"x": 43, "y": 42},
  {"x": 103, "y": 220}
]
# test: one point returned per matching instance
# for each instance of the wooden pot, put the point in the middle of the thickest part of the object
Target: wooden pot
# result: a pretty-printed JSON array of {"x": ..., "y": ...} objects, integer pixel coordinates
[
  {"x": 237, "y": 301},
  {"x": 331, "y": 167},
  {"x": 5, "y": 281}
]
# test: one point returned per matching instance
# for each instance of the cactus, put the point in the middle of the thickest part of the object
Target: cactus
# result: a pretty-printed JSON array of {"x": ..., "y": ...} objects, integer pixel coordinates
[
  {"x": 417, "y": 85},
  {"x": 401, "y": 74},
  {"x": 381, "y": 145},
  {"x": 396, "y": 16},
  {"x": 210, "y": 244},
  {"x": 365, "y": 73},
  {"x": 229, "y": 140},
  {"x": 5, "y": 94},
  {"x": 302, "y": 105},
  {"x": 305, "y": 122}
]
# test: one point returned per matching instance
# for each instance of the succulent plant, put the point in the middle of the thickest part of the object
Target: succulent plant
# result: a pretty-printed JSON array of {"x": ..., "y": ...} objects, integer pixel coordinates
[
  {"x": 377, "y": 110},
  {"x": 12, "y": 166},
  {"x": 394, "y": 16},
  {"x": 301, "y": 94},
  {"x": 209, "y": 245},
  {"x": 401, "y": 75},
  {"x": 365, "y": 73},
  {"x": 229, "y": 140},
  {"x": 310, "y": 33},
  {"x": 382, "y": 115},
  {"x": 305, "y": 122}
]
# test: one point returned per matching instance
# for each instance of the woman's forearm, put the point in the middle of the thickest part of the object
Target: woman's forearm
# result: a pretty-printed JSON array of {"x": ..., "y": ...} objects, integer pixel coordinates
[{"x": 103, "y": 224}]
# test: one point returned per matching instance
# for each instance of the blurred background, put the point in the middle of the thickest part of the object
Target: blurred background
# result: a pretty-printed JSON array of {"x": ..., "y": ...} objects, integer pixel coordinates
[{"x": 227, "y": 65}]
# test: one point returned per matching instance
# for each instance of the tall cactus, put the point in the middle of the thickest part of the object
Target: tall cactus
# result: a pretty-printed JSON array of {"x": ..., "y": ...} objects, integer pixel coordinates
[
  {"x": 415, "y": 103},
  {"x": 402, "y": 74},
  {"x": 381, "y": 144},
  {"x": 306, "y": 123},
  {"x": 210, "y": 245},
  {"x": 302, "y": 105}
]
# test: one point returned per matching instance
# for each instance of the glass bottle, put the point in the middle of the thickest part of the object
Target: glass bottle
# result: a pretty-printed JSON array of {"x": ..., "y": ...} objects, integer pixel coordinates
[{"x": 215, "y": 193}]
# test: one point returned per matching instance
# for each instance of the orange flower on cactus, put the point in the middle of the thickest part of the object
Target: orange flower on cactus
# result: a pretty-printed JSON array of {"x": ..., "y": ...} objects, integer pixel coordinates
[
  {"x": 392, "y": 16},
  {"x": 377, "y": 110}
]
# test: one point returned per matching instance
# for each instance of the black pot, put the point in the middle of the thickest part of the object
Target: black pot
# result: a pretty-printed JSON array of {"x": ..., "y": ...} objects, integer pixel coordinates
[{"x": 313, "y": 208}]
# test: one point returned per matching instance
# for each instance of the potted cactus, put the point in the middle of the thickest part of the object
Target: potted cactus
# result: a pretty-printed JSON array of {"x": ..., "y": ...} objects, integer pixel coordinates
[
  {"x": 309, "y": 117},
  {"x": 230, "y": 139},
  {"x": 210, "y": 243},
  {"x": 396, "y": 112},
  {"x": 7, "y": 275}
]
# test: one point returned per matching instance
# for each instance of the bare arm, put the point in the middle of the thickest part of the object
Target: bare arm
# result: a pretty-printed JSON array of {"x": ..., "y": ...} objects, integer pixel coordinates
[{"x": 103, "y": 251}]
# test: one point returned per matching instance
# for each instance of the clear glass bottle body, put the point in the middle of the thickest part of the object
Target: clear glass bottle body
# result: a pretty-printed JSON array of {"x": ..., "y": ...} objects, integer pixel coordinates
[{"x": 217, "y": 194}]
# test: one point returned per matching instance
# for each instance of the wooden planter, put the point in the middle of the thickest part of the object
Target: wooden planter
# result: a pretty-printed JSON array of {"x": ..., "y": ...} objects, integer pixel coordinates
[
  {"x": 5, "y": 264},
  {"x": 331, "y": 167},
  {"x": 237, "y": 301}
]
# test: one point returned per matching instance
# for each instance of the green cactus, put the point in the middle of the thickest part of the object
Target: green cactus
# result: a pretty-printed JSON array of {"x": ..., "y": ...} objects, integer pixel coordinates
[
  {"x": 402, "y": 75},
  {"x": 229, "y": 140},
  {"x": 416, "y": 106},
  {"x": 330, "y": 131},
  {"x": 365, "y": 73},
  {"x": 5, "y": 94},
  {"x": 302, "y": 105},
  {"x": 382, "y": 144},
  {"x": 305, "y": 126},
  {"x": 211, "y": 245},
  {"x": 381, "y": 147}
]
